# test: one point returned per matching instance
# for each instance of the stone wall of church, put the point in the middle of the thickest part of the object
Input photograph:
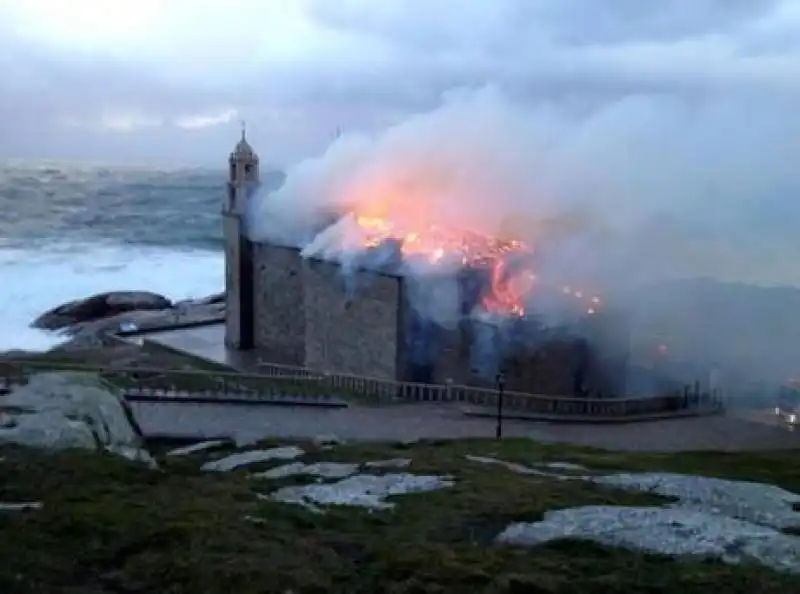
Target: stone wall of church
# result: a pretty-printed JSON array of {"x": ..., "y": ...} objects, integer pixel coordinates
[
  {"x": 453, "y": 364},
  {"x": 353, "y": 321},
  {"x": 279, "y": 318},
  {"x": 609, "y": 332},
  {"x": 557, "y": 365},
  {"x": 230, "y": 228},
  {"x": 549, "y": 370},
  {"x": 307, "y": 313},
  {"x": 592, "y": 362}
]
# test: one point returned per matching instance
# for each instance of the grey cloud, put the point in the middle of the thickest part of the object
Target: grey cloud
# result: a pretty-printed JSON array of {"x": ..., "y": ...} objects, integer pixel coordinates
[
  {"x": 381, "y": 59},
  {"x": 492, "y": 23},
  {"x": 418, "y": 26},
  {"x": 621, "y": 21}
]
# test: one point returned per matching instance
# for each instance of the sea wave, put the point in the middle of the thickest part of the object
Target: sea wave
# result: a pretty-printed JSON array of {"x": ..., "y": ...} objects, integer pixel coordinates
[
  {"x": 128, "y": 205},
  {"x": 35, "y": 280},
  {"x": 70, "y": 230}
]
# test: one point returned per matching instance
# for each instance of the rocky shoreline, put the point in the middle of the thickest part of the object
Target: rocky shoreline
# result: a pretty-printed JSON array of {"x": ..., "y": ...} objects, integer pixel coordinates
[{"x": 89, "y": 322}]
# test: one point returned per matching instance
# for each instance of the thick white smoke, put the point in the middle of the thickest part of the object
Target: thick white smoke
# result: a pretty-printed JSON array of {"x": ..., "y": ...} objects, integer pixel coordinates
[
  {"x": 643, "y": 189},
  {"x": 661, "y": 186}
]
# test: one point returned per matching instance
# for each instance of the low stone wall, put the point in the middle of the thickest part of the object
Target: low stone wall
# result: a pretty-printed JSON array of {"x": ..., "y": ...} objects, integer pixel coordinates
[
  {"x": 285, "y": 380},
  {"x": 180, "y": 325}
]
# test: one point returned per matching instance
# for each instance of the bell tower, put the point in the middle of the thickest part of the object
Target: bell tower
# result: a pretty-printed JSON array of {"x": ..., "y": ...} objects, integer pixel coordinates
[
  {"x": 243, "y": 180},
  {"x": 243, "y": 174}
]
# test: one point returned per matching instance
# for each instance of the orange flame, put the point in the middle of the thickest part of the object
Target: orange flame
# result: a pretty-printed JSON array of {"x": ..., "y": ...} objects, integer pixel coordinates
[
  {"x": 508, "y": 292},
  {"x": 509, "y": 286},
  {"x": 387, "y": 206}
]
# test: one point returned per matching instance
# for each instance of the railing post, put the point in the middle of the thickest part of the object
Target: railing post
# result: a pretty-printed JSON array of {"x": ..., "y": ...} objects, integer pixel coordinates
[{"x": 501, "y": 384}]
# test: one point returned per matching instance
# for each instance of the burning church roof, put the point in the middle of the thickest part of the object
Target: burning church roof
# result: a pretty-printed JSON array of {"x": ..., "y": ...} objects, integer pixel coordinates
[{"x": 501, "y": 273}]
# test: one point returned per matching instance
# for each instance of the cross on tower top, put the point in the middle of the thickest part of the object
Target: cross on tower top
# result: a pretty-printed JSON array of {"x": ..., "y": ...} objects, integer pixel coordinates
[{"x": 243, "y": 148}]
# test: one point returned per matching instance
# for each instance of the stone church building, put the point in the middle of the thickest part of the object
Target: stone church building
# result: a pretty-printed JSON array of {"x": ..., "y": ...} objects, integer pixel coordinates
[{"x": 299, "y": 311}]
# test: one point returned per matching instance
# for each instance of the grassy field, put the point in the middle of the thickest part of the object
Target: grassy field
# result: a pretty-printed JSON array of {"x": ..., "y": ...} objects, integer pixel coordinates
[{"x": 108, "y": 526}]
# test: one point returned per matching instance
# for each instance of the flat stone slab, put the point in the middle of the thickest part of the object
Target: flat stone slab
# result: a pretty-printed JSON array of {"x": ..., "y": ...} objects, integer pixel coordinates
[
  {"x": 758, "y": 503},
  {"x": 239, "y": 459},
  {"x": 329, "y": 470},
  {"x": 198, "y": 447},
  {"x": 735, "y": 521},
  {"x": 665, "y": 531},
  {"x": 363, "y": 490},
  {"x": 323, "y": 470},
  {"x": 21, "y": 506}
]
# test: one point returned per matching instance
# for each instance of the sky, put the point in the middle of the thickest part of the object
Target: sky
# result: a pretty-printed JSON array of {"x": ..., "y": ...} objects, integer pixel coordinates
[{"x": 169, "y": 80}]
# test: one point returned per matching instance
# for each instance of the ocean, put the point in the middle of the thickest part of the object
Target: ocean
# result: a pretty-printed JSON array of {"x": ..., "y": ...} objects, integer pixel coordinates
[{"x": 70, "y": 231}]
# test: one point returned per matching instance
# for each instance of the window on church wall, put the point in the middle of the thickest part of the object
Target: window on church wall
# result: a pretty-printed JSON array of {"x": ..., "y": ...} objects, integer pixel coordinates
[
  {"x": 233, "y": 171},
  {"x": 248, "y": 168}
]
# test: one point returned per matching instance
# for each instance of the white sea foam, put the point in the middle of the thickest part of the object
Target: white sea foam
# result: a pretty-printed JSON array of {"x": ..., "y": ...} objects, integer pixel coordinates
[{"x": 33, "y": 280}]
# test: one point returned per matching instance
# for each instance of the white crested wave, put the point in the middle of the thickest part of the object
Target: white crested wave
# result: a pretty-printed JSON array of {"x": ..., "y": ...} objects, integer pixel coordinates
[{"x": 33, "y": 280}]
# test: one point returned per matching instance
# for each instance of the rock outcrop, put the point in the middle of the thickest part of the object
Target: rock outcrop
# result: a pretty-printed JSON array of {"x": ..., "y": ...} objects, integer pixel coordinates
[
  {"x": 63, "y": 410},
  {"x": 89, "y": 322},
  {"x": 96, "y": 307}
]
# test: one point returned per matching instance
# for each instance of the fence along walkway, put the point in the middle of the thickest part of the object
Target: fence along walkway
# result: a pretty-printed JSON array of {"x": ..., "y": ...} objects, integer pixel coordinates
[
  {"x": 295, "y": 385},
  {"x": 189, "y": 386},
  {"x": 531, "y": 404}
]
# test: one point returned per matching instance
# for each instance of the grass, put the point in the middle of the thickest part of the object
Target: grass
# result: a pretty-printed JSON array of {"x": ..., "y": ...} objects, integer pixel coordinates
[{"x": 111, "y": 526}]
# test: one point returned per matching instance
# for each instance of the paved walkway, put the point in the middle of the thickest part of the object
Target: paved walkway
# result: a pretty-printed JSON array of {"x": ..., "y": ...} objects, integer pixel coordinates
[
  {"x": 748, "y": 431},
  {"x": 205, "y": 342},
  {"x": 416, "y": 421}
]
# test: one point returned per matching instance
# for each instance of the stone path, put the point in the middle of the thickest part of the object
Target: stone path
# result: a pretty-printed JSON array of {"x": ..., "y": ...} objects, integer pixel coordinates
[{"x": 418, "y": 421}]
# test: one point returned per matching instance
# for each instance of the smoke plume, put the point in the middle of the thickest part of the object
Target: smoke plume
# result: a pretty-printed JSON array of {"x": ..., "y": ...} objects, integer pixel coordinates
[{"x": 612, "y": 198}]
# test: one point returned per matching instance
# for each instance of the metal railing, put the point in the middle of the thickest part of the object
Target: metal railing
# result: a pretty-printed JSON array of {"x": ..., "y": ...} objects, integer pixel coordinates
[
  {"x": 148, "y": 381},
  {"x": 384, "y": 390},
  {"x": 282, "y": 381}
]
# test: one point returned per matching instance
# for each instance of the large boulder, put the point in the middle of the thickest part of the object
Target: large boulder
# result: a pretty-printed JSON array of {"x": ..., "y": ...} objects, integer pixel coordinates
[
  {"x": 96, "y": 307},
  {"x": 62, "y": 410}
]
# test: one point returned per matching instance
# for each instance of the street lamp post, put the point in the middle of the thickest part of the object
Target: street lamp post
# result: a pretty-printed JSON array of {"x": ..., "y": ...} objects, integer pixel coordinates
[{"x": 501, "y": 384}]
